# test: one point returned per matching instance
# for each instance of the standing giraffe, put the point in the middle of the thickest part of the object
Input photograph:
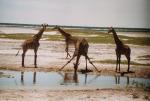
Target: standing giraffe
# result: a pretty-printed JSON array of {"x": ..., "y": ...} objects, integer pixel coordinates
[
  {"x": 81, "y": 48},
  {"x": 69, "y": 39},
  {"x": 32, "y": 43},
  {"x": 121, "y": 49}
]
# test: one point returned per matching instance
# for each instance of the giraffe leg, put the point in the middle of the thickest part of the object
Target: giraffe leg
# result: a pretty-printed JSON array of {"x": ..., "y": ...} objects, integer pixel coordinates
[
  {"x": 35, "y": 58},
  {"x": 92, "y": 64},
  {"x": 86, "y": 62},
  {"x": 23, "y": 56},
  {"x": 119, "y": 61},
  {"x": 77, "y": 63},
  {"x": 128, "y": 59},
  {"x": 128, "y": 63},
  {"x": 67, "y": 50},
  {"x": 68, "y": 62}
]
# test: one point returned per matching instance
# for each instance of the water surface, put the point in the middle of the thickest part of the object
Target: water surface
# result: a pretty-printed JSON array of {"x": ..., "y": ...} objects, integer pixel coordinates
[{"x": 15, "y": 79}]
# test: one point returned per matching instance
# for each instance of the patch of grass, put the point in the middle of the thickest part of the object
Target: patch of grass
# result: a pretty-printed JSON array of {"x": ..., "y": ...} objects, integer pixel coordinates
[
  {"x": 2, "y": 75},
  {"x": 17, "y": 36},
  {"x": 138, "y": 40},
  {"x": 5, "y": 76},
  {"x": 78, "y": 31},
  {"x": 104, "y": 39},
  {"x": 122, "y": 62},
  {"x": 144, "y": 56},
  {"x": 9, "y": 68},
  {"x": 53, "y": 37},
  {"x": 100, "y": 37}
]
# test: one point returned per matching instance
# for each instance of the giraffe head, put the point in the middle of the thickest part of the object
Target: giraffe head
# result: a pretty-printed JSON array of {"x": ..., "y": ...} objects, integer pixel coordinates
[
  {"x": 111, "y": 29},
  {"x": 44, "y": 26}
]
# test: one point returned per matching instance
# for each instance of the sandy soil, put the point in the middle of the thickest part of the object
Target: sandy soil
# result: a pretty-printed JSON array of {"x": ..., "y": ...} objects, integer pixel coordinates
[
  {"x": 51, "y": 56},
  {"x": 75, "y": 95}
]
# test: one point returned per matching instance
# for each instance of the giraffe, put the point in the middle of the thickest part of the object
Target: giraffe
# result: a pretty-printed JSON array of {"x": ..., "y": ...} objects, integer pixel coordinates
[
  {"x": 121, "y": 49},
  {"x": 32, "y": 43},
  {"x": 81, "y": 48},
  {"x": 69, "y": 39}
]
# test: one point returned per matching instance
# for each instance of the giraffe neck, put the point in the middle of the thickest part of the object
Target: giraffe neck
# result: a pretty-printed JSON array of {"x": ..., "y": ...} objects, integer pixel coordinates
[
  {"x": 38, "y": 36},
  {"x": 66, "y": 35},
  {"x": 117, "y": 40}
]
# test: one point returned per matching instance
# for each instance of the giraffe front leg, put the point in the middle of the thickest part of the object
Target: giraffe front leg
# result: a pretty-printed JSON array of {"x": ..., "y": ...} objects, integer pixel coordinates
[
  {"x": 119, "y": 62},
  {"x": 77, "y": 63},
  {"x": 23, "y": 55},
  {"x": 68, "y": 62},
  {"x": 35, "y": 58}
]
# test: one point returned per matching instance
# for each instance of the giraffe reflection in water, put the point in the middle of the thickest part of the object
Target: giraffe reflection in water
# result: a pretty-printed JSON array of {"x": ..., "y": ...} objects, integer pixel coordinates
[
  {"x": 78, "y": 79},
  {"x": 69, "y": 78},
  {"x": 22, "y": 78},
  {"x": 117, "y": 79}
]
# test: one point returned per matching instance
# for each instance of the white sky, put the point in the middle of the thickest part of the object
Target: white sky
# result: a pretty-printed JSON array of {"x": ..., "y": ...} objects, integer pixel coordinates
[{"x": 100, "y": 13}]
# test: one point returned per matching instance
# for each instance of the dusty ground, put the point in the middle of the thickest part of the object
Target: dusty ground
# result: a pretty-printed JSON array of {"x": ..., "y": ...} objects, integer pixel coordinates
[
  {"x": 75, "y": 95},
  {"x": 51, "y": 57}
]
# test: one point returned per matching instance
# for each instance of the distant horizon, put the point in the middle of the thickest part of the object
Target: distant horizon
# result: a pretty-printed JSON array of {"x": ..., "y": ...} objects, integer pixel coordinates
[{"x": 73, "y": 26}]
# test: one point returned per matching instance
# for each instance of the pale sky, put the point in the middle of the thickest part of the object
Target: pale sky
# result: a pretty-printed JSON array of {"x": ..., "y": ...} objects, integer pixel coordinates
[{"x": 99, "y": 13}]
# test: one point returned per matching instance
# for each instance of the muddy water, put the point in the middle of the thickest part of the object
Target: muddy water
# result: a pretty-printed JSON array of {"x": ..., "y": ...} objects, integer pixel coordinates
[{"x": 15, "y": 79}]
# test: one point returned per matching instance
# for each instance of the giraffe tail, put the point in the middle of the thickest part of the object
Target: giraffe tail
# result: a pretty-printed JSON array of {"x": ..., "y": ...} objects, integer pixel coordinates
[{"x": 18, "y": 52}]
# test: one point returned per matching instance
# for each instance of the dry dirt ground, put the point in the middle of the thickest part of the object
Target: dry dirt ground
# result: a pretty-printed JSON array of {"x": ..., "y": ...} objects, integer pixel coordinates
[
  {"x": 51, "y": 57},
  {"x": 75, "y": 95}
]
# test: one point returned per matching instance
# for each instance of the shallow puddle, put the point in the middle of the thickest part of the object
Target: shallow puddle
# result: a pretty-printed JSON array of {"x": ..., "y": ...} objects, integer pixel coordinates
[{"x": 17, "y": 79}]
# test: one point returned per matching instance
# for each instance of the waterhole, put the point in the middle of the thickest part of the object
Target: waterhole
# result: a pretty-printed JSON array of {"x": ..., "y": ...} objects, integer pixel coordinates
[{"x": 17, "y": 79}]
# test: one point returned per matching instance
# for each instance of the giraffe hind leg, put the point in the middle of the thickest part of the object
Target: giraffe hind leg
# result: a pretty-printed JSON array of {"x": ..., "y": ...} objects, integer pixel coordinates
[
  {"x": 117, "y": 63},
  {"x": 77, "y": 63},
  {"x": 92, "y": 64},
  {"x": 128, "y": 58},
  {"x": 86, "y": 62}
]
